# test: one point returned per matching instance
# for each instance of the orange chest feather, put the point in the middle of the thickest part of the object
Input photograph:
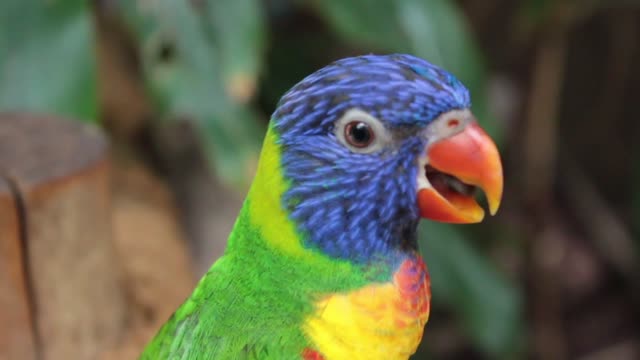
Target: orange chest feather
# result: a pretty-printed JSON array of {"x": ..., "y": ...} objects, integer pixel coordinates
[{"x": 378, "y": 321}]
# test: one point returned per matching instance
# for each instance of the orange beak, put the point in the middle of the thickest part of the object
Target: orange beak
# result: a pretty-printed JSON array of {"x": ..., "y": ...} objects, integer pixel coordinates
[{"x": 458, "y": 165}]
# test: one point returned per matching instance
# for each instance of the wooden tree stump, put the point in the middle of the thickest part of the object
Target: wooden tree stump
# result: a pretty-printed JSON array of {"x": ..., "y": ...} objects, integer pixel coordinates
[
  {"x": 16, "y": 332},
  {"x": 61, "y": 294}
]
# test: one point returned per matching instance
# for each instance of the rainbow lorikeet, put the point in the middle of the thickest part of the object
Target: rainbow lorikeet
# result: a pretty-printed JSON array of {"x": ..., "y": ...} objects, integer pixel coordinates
[{"x": 323, "y": 261}]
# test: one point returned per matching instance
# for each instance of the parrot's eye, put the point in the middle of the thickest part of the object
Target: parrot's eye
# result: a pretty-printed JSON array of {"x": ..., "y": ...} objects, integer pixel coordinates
[{"x": 359, "y": 134}]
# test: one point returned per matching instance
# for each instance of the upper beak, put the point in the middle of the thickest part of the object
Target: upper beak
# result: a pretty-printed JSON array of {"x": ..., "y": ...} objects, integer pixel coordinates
[{"x": 471, "y": 157}]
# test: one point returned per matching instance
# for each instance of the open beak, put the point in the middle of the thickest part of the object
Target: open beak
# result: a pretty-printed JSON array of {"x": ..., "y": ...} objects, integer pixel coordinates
[{"x": 454, "y": 168}]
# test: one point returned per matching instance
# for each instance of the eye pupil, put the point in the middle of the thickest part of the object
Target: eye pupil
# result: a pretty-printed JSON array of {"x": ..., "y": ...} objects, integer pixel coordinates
[{"x": 359, "y": 134}]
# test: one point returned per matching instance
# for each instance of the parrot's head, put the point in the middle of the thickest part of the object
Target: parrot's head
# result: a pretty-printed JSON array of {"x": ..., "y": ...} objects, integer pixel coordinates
[{"x": 371, "y": 144}]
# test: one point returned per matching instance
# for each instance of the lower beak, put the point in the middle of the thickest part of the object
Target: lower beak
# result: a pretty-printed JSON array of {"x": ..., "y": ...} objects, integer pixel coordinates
[{"x": 469, "y": 159}]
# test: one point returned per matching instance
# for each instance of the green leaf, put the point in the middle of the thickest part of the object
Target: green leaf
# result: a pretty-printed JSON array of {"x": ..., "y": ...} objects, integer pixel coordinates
[
  {"x": 489, "y": 307},
  {"x": 239, "y": 32},
  {"x": 47, "y": 61},
  {"x": 359, "y": 21},
  {"x": 185, "y": 69}
]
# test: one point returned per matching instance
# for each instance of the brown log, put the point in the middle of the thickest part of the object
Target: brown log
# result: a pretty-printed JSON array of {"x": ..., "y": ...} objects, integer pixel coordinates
[
  {"x": 16, "y": 332},
  {"x": 152, "y": 249},
  {"x": 61, "y": 172}
]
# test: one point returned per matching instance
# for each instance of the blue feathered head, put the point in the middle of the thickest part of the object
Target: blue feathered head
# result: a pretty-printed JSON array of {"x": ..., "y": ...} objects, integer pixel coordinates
[{"x": 356, "y": 140}]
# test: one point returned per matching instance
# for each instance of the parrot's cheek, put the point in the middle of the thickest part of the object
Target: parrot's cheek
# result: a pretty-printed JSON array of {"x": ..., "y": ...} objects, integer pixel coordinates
[{"x": 452, "y": 171}]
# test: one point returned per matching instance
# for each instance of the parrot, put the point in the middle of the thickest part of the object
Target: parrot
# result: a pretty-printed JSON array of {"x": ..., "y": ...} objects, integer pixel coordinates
[{"x": 323, "y": 262}]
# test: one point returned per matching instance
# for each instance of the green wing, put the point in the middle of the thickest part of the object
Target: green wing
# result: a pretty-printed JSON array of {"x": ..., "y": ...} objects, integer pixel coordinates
[{"x": 229, "y": 317}]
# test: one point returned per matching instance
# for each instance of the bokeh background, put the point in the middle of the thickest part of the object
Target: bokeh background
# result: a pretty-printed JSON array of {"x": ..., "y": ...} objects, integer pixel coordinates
[{"x": 184, "y": 89}]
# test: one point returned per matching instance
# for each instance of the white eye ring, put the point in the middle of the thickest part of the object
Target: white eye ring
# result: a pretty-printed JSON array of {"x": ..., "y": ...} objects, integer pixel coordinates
[{"x": 361, "y": 132}]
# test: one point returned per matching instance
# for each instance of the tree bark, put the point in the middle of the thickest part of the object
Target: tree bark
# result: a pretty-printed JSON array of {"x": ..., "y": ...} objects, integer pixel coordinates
[
  {"x": 17, "y": 340},
  {"x": 59, "y": 171}
]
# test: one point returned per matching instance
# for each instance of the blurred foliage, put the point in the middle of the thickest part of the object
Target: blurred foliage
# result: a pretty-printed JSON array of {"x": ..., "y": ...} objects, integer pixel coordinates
[
  {"x": 537, "y": 10},
  {"x": 47, "y": 61},
  {"x": 202, "y": 60},
  {"x": 201, "y": 63},
  {"x": 488, "y": 306},
  {"x": 635, "y": 212}
]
